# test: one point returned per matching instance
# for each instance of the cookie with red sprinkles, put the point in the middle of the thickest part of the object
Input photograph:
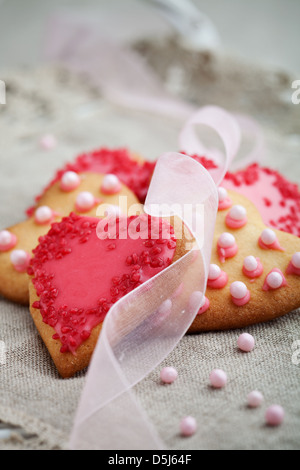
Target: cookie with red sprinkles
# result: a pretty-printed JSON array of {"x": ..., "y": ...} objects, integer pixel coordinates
[
  {"x": 83, "y": 193},
  {"x": 76, "y": 276},
  {"x": 276, "y": 198},
  {"x": 130, "y": 168}
]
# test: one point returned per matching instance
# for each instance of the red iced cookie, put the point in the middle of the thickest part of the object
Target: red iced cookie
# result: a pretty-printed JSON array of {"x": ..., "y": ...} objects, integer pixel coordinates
[{"x": 77, "y": 277}]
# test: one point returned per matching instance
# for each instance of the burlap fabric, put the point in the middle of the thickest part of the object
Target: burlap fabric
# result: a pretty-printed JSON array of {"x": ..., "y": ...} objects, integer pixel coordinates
[{"x": 34, "y": 401}]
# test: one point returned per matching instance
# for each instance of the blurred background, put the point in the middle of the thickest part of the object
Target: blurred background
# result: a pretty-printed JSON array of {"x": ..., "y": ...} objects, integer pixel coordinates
[
  {"x": 266, "y": 31},
  {"x": 128, "y": 73}
]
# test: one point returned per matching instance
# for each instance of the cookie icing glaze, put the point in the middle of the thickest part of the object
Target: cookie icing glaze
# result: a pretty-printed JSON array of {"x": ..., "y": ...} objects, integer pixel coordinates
[
  {"x": 227, "y": 247},
  {"x": 252, "y": 267},
  {"x": 8, "y": 240},
  {"x": 268, "y": 240},
  {"x": 294, "y": 265},
  {"x": 73, "y": 301},
  {"x": 274, "y": 280},
  {"x": 236, "y": 217}
]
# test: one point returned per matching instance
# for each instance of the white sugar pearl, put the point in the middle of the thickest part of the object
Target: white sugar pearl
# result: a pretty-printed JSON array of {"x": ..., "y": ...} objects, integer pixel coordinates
[
  {"x": 250, "y": 263},
  {"x": 274, "y": 280},
  {"x": 238, "y": 212},
  {"x": 214, "y": 272},
  {"x": 85, "y": 200},
  {"x": 70, "y": 180},
  {"x": 268, "y": 236},
  {"x": 5, "y": 237},
  {"x": 296, "y": 260},
  {"x": 18, "y": 257},
  {"x": 226, "y": 240},
  {"x": 255, "y": 399},
  {"x": 222, "y": 194},
  {"x": 43, "y": 214},
  {"x": 110, "y": 183},
  {"x": 238, "y": 290}
]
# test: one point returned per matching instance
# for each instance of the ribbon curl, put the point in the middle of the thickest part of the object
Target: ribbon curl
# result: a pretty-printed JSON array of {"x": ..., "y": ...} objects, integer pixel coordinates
[{"x": 145, "y": 326}]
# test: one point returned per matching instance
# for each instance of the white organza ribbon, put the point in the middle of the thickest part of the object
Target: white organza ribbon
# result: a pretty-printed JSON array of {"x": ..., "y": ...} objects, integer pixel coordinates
[{"x": 145, "y": 326}]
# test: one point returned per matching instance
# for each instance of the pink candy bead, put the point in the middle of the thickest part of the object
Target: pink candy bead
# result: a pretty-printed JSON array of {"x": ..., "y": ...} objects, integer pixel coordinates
[
  {"x": 226, "y": 240},
  {"x": 214, "y": 272},
  {"x": 20, "y": 260},
  {"x": 69, "y": 181},
  {"x": 43, "y": 215},
  {"x": 8, "y": 240},
  {"x": 188, "y": 426},
  {"x": 222, "y": 192},
  {"x": 246, "y": 342},
  {"x": 255, "y": 399},
  {"x": 274, "y": 415},
  {"x": 168, "y": 375},
  {"x": 111, "y": 184},
  {"x": 274, "y": 280},
  {"x": 238, "y": 212},
  {"x": 296, "y": 260},
  {"x": 48, "y": 142},
  {"x": 268, "y": 236},
  {"x": 218, "y": 378},
  {"x": 85, "y": 201}
]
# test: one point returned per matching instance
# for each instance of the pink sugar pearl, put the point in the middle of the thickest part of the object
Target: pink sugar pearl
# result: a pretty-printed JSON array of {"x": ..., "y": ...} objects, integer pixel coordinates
[
  {"x": 274, "y": 415},
  {"x": 168, "y": 375},
  {"x": 218, "y": 378},
  {"x": 255, "y": 399},
  {"x": 188, "y": 426},
  {"x": 48, "y": 142},
  {"x": 246, "y": 342}
]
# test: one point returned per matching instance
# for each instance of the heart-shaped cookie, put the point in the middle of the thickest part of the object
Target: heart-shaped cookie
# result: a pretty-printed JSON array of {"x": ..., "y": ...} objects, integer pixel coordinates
[
  {"x": 77, "y": 277},
  {"x": 276, "y": 198},
  {"x": 79, "y": 192},
  {"x": 255, "y": 270},
  {"x": 130, "y": 168}
]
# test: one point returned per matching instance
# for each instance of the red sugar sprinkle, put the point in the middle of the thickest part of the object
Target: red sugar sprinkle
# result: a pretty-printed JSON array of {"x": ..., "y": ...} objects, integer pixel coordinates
[
  {"x": 289, "y": 191},
  {"x": 73, "y": 325},
  {"x": 135, "y": 175}
]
